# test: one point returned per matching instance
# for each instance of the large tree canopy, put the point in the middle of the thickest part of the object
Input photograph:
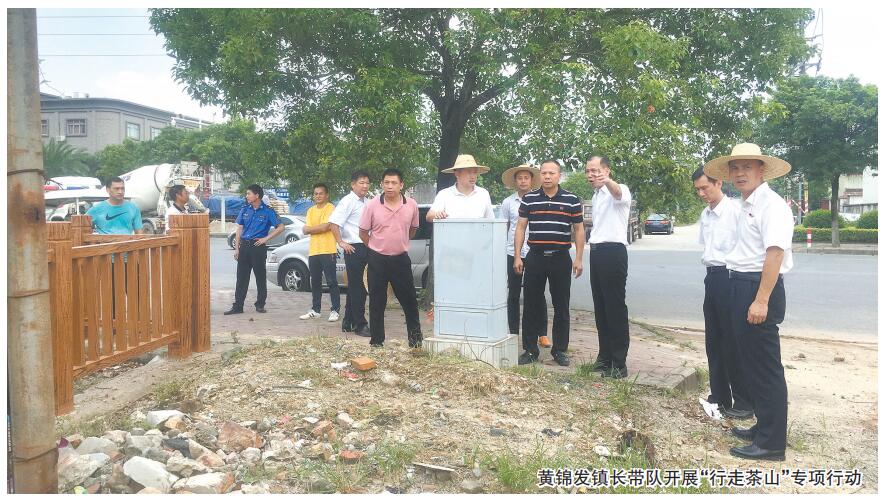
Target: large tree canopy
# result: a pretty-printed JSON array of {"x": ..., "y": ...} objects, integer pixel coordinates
[
  {"x": 825, "y": 128},
  {"x": 654, "y": 89}
]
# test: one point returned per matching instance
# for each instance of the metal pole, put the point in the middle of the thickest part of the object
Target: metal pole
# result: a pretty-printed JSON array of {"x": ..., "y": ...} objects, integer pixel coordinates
[
  {"x": 223, "y": 221},
  {"x": 29, "y": 342}
]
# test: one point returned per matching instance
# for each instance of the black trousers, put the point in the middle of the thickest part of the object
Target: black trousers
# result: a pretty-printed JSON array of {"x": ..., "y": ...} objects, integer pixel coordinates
[
  {"x": 252, "y": 259},
  {"x": 324, "y": 265},
  {"x": 355, "y": 306},
  {"x": 727, "y": 381},
  {"x": 608, "y": 284},
  {"x": 397, "y": 271},
  {"x": 538, "y": 269},
  {"x": 760, "y": 349},
  {"x": 514, "y": 290}
]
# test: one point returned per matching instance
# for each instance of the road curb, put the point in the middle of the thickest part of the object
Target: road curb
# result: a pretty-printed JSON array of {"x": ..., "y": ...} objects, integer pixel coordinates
[{"x": 845, "y": 251}]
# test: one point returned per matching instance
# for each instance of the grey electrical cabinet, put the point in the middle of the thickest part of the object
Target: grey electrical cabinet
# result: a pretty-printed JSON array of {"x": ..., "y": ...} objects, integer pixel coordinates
[{"x": 470, "y": 278}]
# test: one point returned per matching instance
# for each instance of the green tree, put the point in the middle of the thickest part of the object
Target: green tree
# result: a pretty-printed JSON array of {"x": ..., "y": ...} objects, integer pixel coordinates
[
  {"x": 653, "y": 89},
  {"x": 63, "y": 159},
  {"x": 825, "y": 128}
]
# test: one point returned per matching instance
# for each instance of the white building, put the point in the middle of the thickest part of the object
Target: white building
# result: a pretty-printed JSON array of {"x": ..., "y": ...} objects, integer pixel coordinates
[{"x": 858, "y": 193}]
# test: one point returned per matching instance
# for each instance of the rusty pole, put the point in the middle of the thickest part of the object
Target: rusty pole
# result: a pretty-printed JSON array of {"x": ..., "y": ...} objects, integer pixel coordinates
[{"x": 29, "y": 342}]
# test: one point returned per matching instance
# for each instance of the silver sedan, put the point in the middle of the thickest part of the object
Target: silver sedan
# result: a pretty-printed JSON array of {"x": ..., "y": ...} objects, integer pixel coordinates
[{"x": 294, "y": 231}]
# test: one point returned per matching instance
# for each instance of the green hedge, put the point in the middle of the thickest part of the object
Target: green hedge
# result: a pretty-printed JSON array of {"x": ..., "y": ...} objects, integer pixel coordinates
[
  {"x": 869, "y": 219},
  {"x": 856, "y": 235},
  {"x": 822, "y": 218}
]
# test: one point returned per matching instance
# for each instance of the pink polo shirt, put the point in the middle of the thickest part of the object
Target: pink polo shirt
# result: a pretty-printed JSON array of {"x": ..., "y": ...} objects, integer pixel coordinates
[{"x": 388, "y": 226}]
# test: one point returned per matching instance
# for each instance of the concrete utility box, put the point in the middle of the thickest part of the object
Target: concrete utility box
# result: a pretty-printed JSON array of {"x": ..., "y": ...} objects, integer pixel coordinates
[{"x": 470, "y": 290}]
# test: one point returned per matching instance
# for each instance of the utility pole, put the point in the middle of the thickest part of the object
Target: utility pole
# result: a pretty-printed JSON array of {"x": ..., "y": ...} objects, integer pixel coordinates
[{"x": 29, "y": 342}]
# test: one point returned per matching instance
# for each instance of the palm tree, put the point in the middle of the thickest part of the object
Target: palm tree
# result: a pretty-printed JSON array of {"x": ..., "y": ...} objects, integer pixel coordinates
[{"x": 62, "y": 159}]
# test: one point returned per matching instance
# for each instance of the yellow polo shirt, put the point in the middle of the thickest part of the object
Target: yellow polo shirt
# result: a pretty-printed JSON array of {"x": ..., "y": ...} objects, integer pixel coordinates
[{"x": 323, "y": 243}]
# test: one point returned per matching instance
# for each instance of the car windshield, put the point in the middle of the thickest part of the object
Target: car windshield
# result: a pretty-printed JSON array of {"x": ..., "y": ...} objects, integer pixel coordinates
[{"x": 656, "y": 217}]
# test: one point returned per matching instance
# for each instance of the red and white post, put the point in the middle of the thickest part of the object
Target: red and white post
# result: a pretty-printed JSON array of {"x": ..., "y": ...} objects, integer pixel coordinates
[{"x": 808, "y": 239}]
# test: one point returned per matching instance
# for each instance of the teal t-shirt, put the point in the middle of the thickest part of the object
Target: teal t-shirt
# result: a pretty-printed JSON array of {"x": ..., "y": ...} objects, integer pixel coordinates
[{"x": 109, "y": 219}]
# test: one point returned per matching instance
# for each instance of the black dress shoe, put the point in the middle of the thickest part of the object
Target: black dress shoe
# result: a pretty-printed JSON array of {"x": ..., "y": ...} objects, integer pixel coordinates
[
  {"x": 376, "y": 344},
  {"x": 561, "y": 358},
  {"x": 527, "y": 358},
  {"x": 363, "y": 332},
  {"x": 616, "y": 373},
  {"x": 753, "y": 452},
  {"x": 745, "y": 434},
  {"x": 260, "y": 310},
  {"x": 738, "y": 414},
  {"x": 233, "y": 311}
]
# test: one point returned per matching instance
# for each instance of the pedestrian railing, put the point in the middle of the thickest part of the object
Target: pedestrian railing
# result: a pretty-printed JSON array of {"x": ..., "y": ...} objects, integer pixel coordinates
[{"x": 114, "y": 297}]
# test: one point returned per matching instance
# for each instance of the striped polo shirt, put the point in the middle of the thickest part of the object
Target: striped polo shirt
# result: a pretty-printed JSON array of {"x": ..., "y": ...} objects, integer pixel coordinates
[{"x": 551, "y": 218}]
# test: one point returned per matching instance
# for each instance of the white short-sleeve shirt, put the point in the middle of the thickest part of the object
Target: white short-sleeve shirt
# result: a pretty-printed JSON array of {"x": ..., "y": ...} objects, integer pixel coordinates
[
  {"x": 510, "y": 210},
  {"x": 718, "y": 232},
  {"x": 476, "y": 204},
  {"x": 169, "y": 212},
  {"x": 610, "y": 216},
  {"x": 765, "y": 221},
  {"x": 347, "y": 216}
]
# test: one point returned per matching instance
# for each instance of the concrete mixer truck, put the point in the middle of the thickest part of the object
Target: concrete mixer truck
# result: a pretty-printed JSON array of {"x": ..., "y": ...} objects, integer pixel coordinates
[{"x": 146, "y": 187}]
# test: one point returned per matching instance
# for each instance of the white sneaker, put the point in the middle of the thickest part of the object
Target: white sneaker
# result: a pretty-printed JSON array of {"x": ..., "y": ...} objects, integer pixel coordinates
[
  {"x": 333, "y": 316},
  {"x": 310, "y": 315}
]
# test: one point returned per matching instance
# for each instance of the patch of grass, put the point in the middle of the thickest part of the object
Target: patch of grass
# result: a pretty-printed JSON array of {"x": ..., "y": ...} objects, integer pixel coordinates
[
  {"x": 256, "y": 473},
  {"x": 796, "y": 439},
  {"x": 529, "y": 370},
  {"x": 703, "y": 375},
  {"x": 623, "y": 394},
  {"x": 169, "y": 392},
  {"x": 345, "y": 478},
  {"x": 299, "y": 373},
  {"x": 519, "y": 474},
  {"x": 392, "y": 457},
  {"x": 789, "y": 366},
  {"x": 588, "y": 371}
]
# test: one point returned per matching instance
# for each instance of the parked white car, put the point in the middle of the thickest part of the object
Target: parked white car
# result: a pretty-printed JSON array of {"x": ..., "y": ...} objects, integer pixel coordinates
[{"x": 287, "y": 265}]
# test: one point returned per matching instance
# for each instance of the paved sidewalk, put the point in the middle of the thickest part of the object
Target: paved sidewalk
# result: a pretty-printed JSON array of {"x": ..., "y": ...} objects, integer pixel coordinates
[{"x": 657, "y": 357}]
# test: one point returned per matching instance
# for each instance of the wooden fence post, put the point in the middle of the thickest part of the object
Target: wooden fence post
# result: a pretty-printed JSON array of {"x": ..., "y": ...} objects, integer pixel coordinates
[
  {"x": 80, "y": 224},
  {"x": 183, "y": 313},
  {"x": 202, "y": 331},
  {"x": 63, "y": 325}
]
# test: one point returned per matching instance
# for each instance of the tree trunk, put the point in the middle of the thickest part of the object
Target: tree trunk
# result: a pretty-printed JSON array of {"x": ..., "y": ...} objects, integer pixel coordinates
[
  {"x": 449, "y": 144},
  {"x": 834, "y": 209}
]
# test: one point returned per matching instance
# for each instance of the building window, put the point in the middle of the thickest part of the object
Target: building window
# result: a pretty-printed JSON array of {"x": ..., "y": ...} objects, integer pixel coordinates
[
  {"x": 133, "y": 131},
  {"x": 155, "y": 131},
  {"x": 44, "y": 128},
  {"x": 75, "y": 127}
]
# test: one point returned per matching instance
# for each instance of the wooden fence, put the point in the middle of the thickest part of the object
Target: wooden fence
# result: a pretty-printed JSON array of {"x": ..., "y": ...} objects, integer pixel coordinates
[{"x": 114, "y": 297}]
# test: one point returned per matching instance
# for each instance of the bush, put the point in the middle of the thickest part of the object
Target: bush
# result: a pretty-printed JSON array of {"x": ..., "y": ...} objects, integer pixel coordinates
[
  {"x": 821, "y": 218},
  {"x": 848, "y": 235},
  {"x": 869, "y": 219}
]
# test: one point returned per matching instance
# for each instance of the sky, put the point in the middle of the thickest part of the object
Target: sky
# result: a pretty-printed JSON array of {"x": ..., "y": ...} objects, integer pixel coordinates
[{"x": 113, "y": 53}]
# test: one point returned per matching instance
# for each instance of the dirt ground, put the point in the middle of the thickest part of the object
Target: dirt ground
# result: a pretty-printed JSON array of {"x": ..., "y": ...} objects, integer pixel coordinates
[{"x": 496, "y": 428}]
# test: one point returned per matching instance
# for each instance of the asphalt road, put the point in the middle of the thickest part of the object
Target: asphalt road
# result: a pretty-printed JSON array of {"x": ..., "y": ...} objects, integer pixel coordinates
[{"x": 828, "y": 296}]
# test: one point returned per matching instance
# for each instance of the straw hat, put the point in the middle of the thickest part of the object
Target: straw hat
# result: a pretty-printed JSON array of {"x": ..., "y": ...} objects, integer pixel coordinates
[
  {"x": 509, "y": 176},
  {"x": 773, "y": 167},
  {"x": 466, "y": 162}
]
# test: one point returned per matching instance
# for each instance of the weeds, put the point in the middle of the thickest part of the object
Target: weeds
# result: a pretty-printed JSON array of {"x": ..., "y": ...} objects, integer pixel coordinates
[
  {"x": 169, "y": 392},
  {"x": 623, "y": 394},
  {"x": 703, "y": 375},
  {"x": 393, "y": 457},
  {"x": 530, "y": 370}
]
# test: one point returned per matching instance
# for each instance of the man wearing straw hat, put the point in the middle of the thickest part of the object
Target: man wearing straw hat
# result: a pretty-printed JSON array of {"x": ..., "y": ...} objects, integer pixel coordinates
[
  {"x": 756, "y": 264},
  {"x": 522, "y": 178},
  {"x": 463, "y": 199}
]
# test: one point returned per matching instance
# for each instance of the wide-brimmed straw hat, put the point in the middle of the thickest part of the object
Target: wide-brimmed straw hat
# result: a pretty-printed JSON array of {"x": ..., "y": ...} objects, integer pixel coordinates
[
  {"x": 509, "y": 176},
  {"x": 773, "y": 167},
  {"x": 466, "y": 162}
]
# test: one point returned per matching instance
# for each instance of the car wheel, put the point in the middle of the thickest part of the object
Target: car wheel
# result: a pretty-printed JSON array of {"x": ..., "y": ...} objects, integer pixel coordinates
[
  {"x": 147, "y": 227},
  {"x": 294, "y": 276},
  {"x": 291, "y": 238},
  {"x": 230, "y": 240},
  {"x": 424, "y": 278}
]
